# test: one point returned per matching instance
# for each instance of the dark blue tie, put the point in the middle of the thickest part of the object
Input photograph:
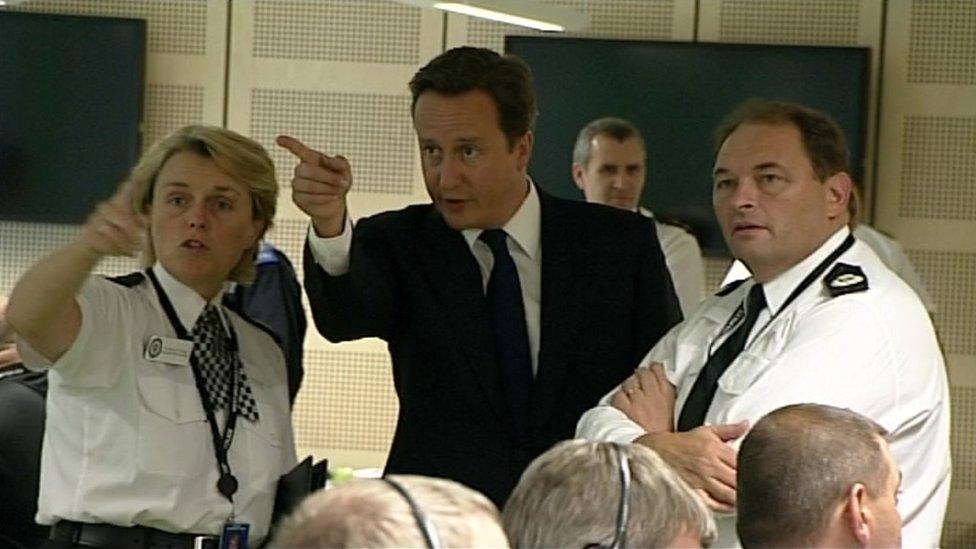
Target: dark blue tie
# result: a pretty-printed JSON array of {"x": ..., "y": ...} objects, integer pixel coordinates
[
  {"x": 702, "y": 392},
  {"x": 507, "y": 311}
]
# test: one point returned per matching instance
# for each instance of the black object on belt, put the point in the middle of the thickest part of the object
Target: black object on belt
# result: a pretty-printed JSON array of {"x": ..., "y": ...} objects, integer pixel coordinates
[{"x": 141, "y": 537}]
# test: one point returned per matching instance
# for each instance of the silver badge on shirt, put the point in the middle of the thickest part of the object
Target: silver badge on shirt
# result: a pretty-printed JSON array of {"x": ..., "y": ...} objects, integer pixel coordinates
[{"x": 169, "y": 350}]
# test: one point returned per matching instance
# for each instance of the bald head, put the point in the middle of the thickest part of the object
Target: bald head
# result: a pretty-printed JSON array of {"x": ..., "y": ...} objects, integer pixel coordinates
[{"x": 798, "y": 469}]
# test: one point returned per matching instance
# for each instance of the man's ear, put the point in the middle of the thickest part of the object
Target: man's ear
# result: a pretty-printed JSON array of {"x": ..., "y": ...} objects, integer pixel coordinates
[
  {"x": 857, "y": 515},
  {"x": 579, "y": 175},
  {"x": 523, "y": 149},
  {"x": 838, "y": 189}
]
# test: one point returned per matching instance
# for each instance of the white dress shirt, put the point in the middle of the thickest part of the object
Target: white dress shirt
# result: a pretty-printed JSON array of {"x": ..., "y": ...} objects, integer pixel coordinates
[
  {"x": 524, "y": 243},
  {"x": 874, "y": 352},
  {"x": 683, "y": 257},
  {"x": 890, "y": 252},
  {"x": 127, "y": 441}
]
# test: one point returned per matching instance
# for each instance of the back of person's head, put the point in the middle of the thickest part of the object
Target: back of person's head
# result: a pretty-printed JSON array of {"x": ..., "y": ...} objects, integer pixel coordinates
[
  {"x": 798, "y": 467},
  {"x": 617, "y": 128},
  {"x": 240, "y": 157},
  {"x": 506, "y": 78},
  {"x": 571, "y": 496},
  {"x": 374, "y": 513}
]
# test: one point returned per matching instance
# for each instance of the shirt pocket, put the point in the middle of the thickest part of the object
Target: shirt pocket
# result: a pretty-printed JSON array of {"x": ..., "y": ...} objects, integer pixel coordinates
[
  {"x": 264, "y": 454},
  {"x": 174, "y": 437}
]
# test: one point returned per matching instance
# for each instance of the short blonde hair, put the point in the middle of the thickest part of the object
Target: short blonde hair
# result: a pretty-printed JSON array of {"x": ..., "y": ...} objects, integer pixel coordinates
[
  {"x": 243, "y": 159},
  {"x": 371, "y": 513},
  {"x": 570, "y": 496}
]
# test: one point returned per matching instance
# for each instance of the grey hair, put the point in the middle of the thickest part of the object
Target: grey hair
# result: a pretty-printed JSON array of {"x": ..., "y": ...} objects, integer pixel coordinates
[
  {"x": 569, "y": 497},
  {"x": 371, "y": 513},
  {"x": 617, "y": 128}
]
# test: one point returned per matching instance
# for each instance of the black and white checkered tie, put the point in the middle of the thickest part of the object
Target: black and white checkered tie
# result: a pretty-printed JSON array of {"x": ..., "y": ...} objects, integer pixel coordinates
[{"x": 217, "y": 362}]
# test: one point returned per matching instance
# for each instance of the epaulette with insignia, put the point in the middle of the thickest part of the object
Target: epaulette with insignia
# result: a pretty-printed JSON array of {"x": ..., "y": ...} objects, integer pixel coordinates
[
  {"x": 845, "y": 279},
  {"x": 266, "y": 255},
  {"x": 130, "y": 280},
  {"x": 730, "y": 287}
]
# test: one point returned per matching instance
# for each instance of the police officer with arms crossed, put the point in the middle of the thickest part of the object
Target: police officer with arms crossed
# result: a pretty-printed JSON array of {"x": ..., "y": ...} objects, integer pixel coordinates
[
  {"x": 167, "y": 414},
  {"x": 822, "y": 320}
]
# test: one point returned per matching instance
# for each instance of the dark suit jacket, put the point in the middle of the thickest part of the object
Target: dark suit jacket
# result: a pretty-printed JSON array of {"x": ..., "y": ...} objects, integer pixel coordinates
[{"x": 607, "y": 298}]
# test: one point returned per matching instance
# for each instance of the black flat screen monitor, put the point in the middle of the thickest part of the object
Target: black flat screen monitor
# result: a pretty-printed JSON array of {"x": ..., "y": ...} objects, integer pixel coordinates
[
  {"x": 71, "y": 92},
  {"x": 676, "y": 93}
]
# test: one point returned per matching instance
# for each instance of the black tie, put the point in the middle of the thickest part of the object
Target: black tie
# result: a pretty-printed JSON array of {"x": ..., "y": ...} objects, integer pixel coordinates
[
  {"x": 511, "y": 334},
  {"x": 702, "y": 392}
]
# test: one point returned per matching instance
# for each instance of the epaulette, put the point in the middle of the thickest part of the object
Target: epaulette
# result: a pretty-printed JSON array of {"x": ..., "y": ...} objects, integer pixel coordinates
[
  {"x": 267, "y": 255},
  {"x": 130, "y": 280},
  {"x": 730, "y": 287},
  {"x": 674, "y": 222},
  {"x": 845, "y": 279}
]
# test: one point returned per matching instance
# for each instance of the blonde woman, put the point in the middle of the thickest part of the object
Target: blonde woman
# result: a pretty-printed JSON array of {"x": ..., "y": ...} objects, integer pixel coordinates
[{"x": 167, "y": 420}]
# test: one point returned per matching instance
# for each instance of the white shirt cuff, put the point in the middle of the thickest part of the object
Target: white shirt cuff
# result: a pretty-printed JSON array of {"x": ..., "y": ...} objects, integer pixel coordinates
[{"x": 332, "y": 254}]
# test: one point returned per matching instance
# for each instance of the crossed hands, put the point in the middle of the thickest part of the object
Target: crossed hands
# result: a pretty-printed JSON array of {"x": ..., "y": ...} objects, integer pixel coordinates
[
  {"x": 701, "y": 456},
  {"x": 320, "y": 186}
]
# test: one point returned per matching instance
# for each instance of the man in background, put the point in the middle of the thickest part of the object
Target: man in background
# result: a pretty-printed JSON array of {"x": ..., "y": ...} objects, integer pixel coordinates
[
  {"x": 817, "y": 476},
  {"x": 610, "y": 167}
]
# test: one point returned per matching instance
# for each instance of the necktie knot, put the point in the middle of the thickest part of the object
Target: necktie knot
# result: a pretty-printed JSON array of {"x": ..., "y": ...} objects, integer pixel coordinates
[
  {"x": 496, "y": 240},
  {"x": 208, "y": 322},
  {"x": 756, "y": 301}
]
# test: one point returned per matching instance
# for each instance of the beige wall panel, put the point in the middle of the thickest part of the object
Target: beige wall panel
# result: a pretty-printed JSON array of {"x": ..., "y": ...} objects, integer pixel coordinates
[
  {"x": 185, "y": 48},
  {"x": 807, "y": 23},
  {"x": 927, "y": 198},
  {"x": 624, "y": 19},
  {"x": 334, "y": 74}
]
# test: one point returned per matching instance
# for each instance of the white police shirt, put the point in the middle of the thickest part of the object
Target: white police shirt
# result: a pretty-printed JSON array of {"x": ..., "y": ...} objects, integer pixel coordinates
[
  {"x": 683, "y": 257},
  {"x": 127, "y": 441},
  {"x": 889, "y": 251},
  {"x": 874, "y": 352}
]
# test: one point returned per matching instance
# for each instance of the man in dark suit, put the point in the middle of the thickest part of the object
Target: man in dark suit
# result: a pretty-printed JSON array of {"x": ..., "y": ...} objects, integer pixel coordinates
[{"x": 507, "y": 311}]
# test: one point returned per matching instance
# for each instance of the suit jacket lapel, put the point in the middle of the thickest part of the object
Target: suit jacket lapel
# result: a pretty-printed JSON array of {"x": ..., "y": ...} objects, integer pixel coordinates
[
  {"x": 457, "y": 285},
  {"x": 560, "y": 310}
]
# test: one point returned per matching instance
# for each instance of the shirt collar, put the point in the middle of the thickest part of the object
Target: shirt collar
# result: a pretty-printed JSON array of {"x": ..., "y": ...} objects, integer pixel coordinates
[
  {"x": 780, "y": 288},
  {"x": 187, "y": 302},
  {"x": 523, "y": 227}
]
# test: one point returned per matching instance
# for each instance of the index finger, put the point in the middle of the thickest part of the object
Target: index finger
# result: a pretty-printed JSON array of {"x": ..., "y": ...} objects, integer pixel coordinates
[
  {"x": 124, "y": 198},
  {"x": 298, "y": 149}
]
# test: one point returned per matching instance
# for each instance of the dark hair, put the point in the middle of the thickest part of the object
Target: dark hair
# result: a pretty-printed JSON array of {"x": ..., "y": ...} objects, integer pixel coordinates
[
  {"x": 796, "y": 465},
  {"x": 617, "y": 128},
  {"x": 822, "y": 137},
  {"x": 506, "y": 78}
]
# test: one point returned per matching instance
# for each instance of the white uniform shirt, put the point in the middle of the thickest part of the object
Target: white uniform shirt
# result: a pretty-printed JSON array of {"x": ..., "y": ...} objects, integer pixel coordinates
[
  {"x": 683, "y": 257},
  {"x": 890, "y": 252},
  {"x": 127, "y": 441},
  {"x": 524, "y": 244},
  {"x": 874, "y": 352}
]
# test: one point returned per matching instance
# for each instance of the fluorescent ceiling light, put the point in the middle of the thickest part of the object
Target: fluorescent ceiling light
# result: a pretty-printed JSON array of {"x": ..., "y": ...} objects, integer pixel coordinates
[{"x": 524, "y": 13}]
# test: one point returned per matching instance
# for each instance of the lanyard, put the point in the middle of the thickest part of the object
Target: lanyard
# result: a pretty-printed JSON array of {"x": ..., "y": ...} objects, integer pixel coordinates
[
  {"x": 227, "y": 483},
  {"x": 803, "y": 285}
]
